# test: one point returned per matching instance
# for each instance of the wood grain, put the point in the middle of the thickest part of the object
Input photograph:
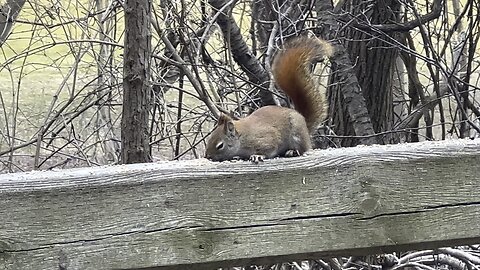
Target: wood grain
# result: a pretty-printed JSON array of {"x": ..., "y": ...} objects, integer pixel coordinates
[{"x": 200, "y": 215}]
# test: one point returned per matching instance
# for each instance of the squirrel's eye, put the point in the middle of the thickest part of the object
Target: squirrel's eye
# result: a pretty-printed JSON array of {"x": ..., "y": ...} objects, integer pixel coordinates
[{"x": 220, "y": 146}]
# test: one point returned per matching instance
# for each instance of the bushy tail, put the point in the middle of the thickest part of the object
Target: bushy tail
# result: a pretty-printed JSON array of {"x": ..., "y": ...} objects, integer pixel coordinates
[{"x": 291, "y": 71}]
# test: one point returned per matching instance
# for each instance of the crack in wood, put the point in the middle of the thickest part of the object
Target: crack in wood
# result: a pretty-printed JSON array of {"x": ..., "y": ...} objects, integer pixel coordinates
[
  {"x": 320, "y": 216},
  {"x": 453, "y": 205},
  {"x": 49, "y": 245},
  {"x": 426, "y": 208},
  {"x": 392, "y": 214},
  {"x": 265, "y": 225}
]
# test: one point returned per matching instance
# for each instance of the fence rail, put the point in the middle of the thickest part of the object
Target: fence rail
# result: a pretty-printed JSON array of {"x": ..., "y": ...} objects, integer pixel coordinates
[{"x": 202, "y": 215}]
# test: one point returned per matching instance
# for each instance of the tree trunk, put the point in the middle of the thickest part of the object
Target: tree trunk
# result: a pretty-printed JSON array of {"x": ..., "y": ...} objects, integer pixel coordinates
[
  {"x": 8, "y": 14},
  {"x": 136, "y": 75},
  {"x": 347, "y": 104},
  {"x": 374, "y": 62}
]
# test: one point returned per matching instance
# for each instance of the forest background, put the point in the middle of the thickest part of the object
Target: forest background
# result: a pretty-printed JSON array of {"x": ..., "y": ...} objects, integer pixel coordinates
[{"x": 404, "y": 71}]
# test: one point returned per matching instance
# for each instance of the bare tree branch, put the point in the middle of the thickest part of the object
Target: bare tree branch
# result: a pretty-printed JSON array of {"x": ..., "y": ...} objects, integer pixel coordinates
[
  {"x": 437, "y": 6},
  {"x": 240, "y": 51}
]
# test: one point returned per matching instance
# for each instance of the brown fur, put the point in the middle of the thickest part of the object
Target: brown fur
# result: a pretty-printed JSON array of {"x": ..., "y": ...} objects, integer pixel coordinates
[
  {"x": 271, "y": 130},
  {"x": 291, "y": 70}
]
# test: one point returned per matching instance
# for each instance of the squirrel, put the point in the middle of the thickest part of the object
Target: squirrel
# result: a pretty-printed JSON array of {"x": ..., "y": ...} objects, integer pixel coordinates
[{"x": 273, "y": 131}]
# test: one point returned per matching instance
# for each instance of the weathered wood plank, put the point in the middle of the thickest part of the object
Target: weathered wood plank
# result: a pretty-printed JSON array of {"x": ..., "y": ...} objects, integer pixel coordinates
[{"x": 360, "y": 200}]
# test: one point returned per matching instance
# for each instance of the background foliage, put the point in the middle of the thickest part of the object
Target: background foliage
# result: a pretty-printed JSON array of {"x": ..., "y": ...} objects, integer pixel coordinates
[{"x": 411, "y": 67}]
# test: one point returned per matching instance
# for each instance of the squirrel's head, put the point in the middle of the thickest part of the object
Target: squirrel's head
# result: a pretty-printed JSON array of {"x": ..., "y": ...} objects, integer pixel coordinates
[{"x": 224, "y": 142}]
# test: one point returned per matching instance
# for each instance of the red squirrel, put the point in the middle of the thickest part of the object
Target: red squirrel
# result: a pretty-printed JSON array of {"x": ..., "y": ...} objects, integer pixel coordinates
[{"x": 273, "y": 131}]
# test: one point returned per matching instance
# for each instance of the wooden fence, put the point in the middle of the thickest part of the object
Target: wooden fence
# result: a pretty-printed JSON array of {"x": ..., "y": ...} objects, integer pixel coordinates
[{"x": 202, "y": 215}]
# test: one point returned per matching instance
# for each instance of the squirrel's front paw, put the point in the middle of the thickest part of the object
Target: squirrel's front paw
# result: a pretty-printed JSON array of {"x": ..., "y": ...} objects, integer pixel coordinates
[
  {"x": 257, "y": 158},
  {"x": 292, "y": 153}
]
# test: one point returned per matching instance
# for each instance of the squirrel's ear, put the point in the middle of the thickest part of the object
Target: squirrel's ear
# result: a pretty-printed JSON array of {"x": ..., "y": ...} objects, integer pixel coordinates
[
  {"x": 230, "y": 128},
  {"x": 223, "y": 119},
  {"x": 228, "y": 125}
]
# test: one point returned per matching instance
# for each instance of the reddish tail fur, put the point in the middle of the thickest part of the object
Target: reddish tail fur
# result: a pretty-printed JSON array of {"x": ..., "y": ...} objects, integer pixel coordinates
[{"x": 291, "y": 71}]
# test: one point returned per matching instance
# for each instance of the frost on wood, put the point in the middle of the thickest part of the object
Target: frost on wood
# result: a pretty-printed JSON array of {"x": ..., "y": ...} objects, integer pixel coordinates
[{"x": 350, "y": 201}]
